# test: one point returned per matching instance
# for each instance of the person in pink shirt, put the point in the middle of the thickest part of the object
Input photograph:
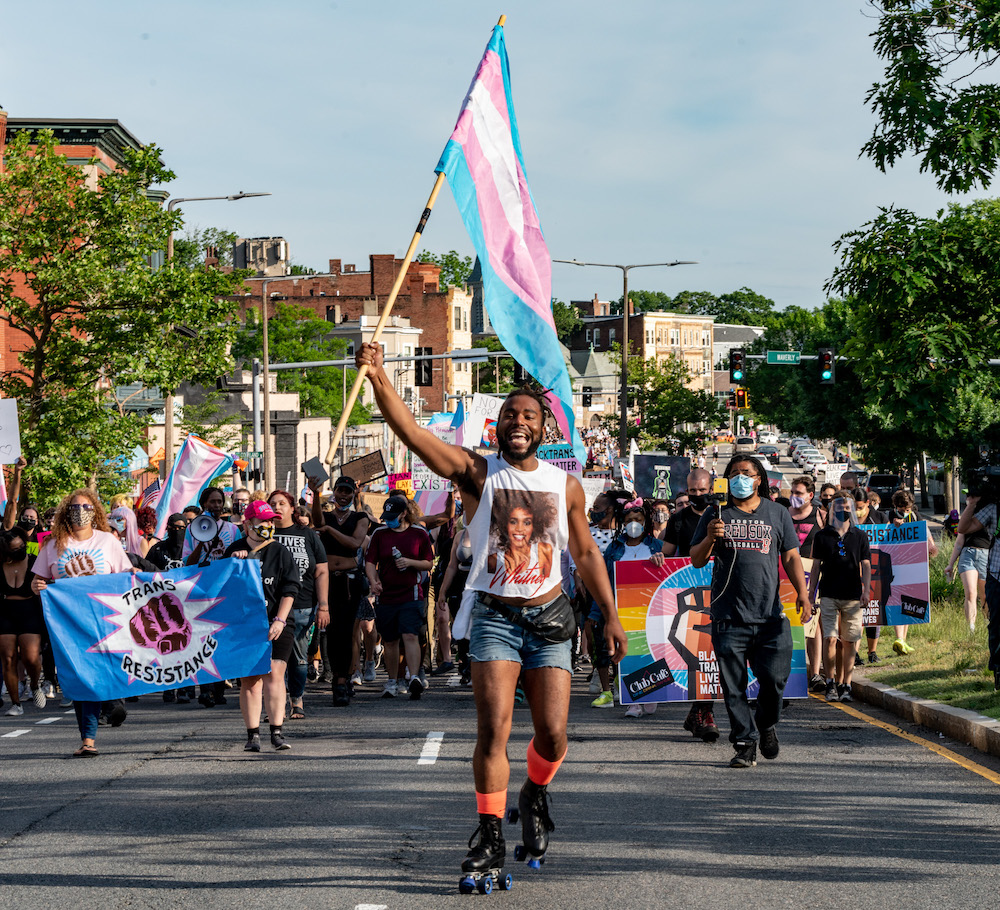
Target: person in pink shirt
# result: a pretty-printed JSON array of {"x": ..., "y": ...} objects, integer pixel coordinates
[{"x": 80, "y": 544}]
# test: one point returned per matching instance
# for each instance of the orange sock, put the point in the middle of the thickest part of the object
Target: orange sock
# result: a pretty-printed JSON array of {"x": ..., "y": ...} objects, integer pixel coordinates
[
  {"x": 492, "y": 803},
  {"x": 541, "y": 770}
]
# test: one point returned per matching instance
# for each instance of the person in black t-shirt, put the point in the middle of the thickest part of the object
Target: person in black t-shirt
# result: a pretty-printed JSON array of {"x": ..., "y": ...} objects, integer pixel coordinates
[
  {"x": 700, "y": 722},
  {"x": 842, "y": 568},
  {"x": 748, "y": 537},
  {"x": 280, "y": 579},
  {"x": 166, "y": 554}
]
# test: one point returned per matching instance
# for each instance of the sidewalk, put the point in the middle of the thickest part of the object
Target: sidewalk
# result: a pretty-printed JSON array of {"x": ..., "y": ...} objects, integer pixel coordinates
[{"x": 976, "y": 730}]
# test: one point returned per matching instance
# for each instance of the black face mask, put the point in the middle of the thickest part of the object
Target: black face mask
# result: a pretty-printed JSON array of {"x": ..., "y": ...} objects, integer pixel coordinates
[
  {"x": 597, "y": 517},
  {"x": 17, "y": 555},
  {"x": 29, "y": 524},
  {"x": 698, "y": 500},
  {"x": 176, "y": 536}
]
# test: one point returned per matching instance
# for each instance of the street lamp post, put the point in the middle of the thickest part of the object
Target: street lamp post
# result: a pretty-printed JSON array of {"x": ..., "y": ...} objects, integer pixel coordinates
[
  {"x": 623, "y": 422},
  {"x": 168, "y": 403}
]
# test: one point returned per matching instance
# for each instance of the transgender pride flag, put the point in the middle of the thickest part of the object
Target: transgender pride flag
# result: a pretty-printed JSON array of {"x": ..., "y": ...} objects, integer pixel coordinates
[
  {"x": 485, "y": 169},
  {"x": 196, "y": 464}
]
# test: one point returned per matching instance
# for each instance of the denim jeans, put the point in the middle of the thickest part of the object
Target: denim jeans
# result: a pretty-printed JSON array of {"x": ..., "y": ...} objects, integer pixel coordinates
[
  {"x": 298, "y": 666},
  {"x": 87, "y": 714},
  {"x": 767, "y": 648},
  {"x": 993, "y": 612}
]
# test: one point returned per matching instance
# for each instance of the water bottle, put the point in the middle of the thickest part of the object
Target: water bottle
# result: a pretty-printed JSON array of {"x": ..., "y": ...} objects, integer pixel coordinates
[{"x": 395, "y": 553}]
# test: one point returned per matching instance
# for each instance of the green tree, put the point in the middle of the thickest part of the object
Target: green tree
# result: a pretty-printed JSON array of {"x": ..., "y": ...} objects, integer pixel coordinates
[
  {"x": 670, "y": 413},
  {"x": 647, "y": 301},
  {"x": 742, "y": 307},
  {"x": 76, "y": 282},
  {"x": 190, "y": 249},
  {"x": 297, "y": 335},
  {"x": 567, "y": 319},
  {"x": 485, "y": 379},
  {"x": 928, "y": 103},
  {"x": 455, "y": 269},
  {"x": 924, "y": 323}
]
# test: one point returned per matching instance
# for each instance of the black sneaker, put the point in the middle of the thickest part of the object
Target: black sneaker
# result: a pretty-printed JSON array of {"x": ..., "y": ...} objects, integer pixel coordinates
[
  {"x": 746, "y": 755},
  {"x": 169, "y": 697},
  {"x": 253, "y": 744},
  {"x": 873, "y": 658},
  {"x": 117, "y": 715},
  {"x": 844, "y": 693},
  {"x": 817, "y": 683},
  {"x": 207, "y": 699},
  {"x": 831, "y": 691},
  {"x": 769, "y": 743},
  {"x": 183, "y": 698},
  {"x": 859, "y": 661},
  {"x": 278, "y": 741},
  {"x": 416, "y": 688},
  {"x": 341, "y": 695},
  {"x": 312, "y": 674}
]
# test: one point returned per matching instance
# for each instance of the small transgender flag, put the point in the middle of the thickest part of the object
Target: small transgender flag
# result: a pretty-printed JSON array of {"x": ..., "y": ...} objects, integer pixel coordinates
[
  {"x": 196, "y": 464},
  {"x": 485, "y": 169}
]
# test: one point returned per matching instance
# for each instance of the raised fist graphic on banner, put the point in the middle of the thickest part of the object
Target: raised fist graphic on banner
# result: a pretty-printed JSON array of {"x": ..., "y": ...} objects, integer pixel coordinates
[{"x": 161, "y": 624}]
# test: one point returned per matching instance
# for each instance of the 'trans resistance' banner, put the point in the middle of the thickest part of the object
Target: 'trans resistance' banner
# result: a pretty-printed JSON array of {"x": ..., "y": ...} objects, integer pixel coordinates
[
  {"x": 901, "y": 585},
  {"x": 665, "y": 613},
  {"x": 123, "y": 634}
]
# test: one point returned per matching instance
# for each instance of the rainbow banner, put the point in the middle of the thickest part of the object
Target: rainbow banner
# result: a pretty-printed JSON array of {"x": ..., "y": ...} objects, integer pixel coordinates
[{"x": 665, "y": 613}]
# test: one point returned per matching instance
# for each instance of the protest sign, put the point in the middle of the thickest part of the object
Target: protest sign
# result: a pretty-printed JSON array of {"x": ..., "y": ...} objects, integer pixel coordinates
[
  {"x": 481, "y": 421},
  {"x": 431, "y": 490},
  {"x": 401, "y": 480},
  {"x": 660, "y": 476},
  {"x": 592, "y": 487},
  {"x": 561, "y": 456},
  {"x": 366, "y": 468},
  {"x": 123, "y": 634},
  {"x": 901, "y": 587},
  {"x": 10, "y": 433},
  {"x": 834, "y": 473},
  {"x": 665, "y": 613}
]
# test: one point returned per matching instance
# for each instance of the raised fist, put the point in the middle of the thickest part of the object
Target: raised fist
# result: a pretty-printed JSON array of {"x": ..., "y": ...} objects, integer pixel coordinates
[
  {"x": 161, "y": 624},
  {"x": 79, "y": 564}
]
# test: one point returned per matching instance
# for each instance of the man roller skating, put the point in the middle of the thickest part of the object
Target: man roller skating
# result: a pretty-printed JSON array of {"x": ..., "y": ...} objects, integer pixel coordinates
[{"x": 521, "y": 514}]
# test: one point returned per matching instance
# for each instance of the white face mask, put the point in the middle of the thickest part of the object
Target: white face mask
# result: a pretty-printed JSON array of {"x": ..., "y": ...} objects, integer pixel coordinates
[{"x": 634, "y": 529}]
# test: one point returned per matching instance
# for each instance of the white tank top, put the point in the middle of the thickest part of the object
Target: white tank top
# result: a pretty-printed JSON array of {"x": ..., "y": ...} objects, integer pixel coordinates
[{"x": 519, "y": 531}]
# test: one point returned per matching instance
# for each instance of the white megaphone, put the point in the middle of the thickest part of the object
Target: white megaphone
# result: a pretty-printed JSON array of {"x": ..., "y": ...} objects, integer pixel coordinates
[{"x": 204, "y": 528}]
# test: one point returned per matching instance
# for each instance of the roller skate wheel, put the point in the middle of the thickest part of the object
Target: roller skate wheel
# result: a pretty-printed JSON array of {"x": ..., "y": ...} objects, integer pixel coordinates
[
  {"x": 467, "y": 885},
  {"x": 513, "y": 815},
  {"x": 507, "y": 882},
  {"x": 519, "y": 853},
  {"x": 535, "y": 863},
  {"x": 485, "y": 885}
]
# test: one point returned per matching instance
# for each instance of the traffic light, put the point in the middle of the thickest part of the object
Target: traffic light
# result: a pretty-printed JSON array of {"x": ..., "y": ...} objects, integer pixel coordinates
[
  {"x": 587, "y": 397},
  {"x": 423, "y": 368},
  {"x": 732, "y": 400},
  {"x": 736, "y": 371},
  {"x": 741, "y": 398},
  {"x": 520, "y": 377},
  {"x": 827, "y": 367}
]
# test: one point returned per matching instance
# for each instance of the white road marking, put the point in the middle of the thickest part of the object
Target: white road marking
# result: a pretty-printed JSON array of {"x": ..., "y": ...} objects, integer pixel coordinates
[
  {"x": 14, "y": 733},
  {"x": 429, "y": 754},
  {"x": 70, "y": 712},
  {"x": 371, "y": 907},
  {"x": 47, "y": 720}
]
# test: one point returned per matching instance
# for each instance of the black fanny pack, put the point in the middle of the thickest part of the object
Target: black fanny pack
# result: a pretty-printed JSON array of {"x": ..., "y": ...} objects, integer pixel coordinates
[{"x": 556, "y": 622}]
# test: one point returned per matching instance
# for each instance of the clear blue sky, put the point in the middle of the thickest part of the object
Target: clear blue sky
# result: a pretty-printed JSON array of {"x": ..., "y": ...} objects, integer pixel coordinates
[{"x": 725, "y": 131}]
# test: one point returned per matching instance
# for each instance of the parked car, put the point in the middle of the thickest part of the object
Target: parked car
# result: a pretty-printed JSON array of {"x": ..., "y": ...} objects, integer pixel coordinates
[
  {"x": 814, "y": 464},
  {"x": 885, "y": 485},
  {"x": 802, "y": 452},
  {"x": 745, "y": 446},
  {"x": 771, "y": 452}
]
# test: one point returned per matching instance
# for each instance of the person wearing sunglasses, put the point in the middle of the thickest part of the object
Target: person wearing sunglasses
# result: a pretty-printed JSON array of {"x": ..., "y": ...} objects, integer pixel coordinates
[
  {"x": 841, "y": 571},
  {"x": 82, "y": 544}
]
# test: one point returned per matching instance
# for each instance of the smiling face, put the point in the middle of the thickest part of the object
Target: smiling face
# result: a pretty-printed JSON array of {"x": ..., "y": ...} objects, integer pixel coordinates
[
  {"x": 520, "y": 526},
  {"x": 520, "y": 428}
]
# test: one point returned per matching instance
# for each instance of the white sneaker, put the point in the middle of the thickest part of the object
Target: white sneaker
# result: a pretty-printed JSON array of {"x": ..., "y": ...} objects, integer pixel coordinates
[
  {"x": 50, "y": 690},
  {"x": 379, "y": 650},
  {"x": 390, "y": 690},
  {"x": 14, "y": 711},
  {"x": 369, "y": 671},
  {"x": 649, "y": 709},
  {"x": 634, "y": 711},
  {"x": 39, "y": 697},
  {"x": 595, "y": 685},
  {"x": 356, "y": 678}
]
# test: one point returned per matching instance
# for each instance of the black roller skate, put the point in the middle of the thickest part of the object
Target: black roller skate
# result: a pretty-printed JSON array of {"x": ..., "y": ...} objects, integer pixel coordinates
[
  {"x": 536, "y": 824},
  {"x": 483, "y": 865}
]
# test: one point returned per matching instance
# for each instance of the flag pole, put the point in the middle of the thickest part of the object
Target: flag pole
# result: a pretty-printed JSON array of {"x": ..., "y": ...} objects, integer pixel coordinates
[{"x": 384, "y": 318}]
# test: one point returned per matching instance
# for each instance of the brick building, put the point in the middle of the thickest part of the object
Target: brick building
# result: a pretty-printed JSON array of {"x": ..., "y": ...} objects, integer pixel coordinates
[
  {"x": 654, "y": 335},
  {"x": 346, "y": 295},
  {"x": 96, "y": 146}
]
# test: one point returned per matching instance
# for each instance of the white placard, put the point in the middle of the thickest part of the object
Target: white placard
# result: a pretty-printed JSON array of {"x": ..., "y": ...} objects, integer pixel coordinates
[
  {"x": 10, "y": 433},
  {"x": 834, "y": 472},
  {"x": 484, "y": 408}
]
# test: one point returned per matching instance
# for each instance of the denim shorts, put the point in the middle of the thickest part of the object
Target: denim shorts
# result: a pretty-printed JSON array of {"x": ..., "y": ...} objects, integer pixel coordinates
[
  {"x": 973, "y": 558},
  {"x": 494, "y": 637}
]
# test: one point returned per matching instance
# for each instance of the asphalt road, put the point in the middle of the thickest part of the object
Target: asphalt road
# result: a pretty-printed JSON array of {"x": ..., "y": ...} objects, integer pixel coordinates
[{"x": 174, "y": 814}]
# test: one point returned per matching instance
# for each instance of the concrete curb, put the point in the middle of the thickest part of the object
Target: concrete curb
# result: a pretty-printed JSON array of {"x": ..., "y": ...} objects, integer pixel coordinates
[{"x": 976, "y": 730}]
